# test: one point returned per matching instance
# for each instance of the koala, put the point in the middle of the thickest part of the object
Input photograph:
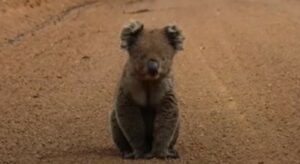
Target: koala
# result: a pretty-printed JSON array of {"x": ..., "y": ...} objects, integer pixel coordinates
[{"x": 144, "y": 120}]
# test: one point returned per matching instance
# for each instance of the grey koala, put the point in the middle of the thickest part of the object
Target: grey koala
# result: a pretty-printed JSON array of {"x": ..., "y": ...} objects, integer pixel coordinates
[{"x": 144, "y": 121}]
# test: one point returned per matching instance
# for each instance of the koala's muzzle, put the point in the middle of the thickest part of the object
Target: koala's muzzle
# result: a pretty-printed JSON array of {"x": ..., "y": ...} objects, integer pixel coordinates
[{"x": 153, "y": 67}]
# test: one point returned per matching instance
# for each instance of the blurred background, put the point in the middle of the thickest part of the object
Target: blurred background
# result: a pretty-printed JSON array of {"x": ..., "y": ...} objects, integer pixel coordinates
[{"x": 238, "y": 79}]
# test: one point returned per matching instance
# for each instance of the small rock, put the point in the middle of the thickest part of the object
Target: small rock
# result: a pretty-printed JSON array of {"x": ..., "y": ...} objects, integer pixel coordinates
[
  {"x": 192, "y": 158},
  {"x": 77, "y": 117},
  {"x": 36, "y": 96},
  {"x": 85, "y": 57}
]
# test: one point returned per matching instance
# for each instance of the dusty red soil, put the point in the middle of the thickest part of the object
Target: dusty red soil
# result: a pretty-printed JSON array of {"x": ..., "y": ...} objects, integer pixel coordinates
[{"x": 238, "y": 80}]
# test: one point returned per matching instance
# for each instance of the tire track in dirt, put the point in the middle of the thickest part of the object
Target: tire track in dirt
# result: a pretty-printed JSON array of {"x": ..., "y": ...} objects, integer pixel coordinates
[
  {"x": 50, "y": 20},
  {"x": 227, "y": 106},
  {"x": 60, "y": 57},
  {"x": 57, "y": 86}
]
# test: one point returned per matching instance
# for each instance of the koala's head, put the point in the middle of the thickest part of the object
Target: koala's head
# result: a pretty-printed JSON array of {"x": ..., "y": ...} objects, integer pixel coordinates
[{"x": 151, "y": 51}]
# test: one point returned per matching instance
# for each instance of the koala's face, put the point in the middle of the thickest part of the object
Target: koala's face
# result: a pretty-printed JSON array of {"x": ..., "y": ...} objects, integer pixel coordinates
[
  {"x": 151, "y": 55},
  {"x": 151, "y": 51}
]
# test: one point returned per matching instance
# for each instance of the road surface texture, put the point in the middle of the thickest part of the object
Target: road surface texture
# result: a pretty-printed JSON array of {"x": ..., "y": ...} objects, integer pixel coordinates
[{"x": 238, "y": 80}]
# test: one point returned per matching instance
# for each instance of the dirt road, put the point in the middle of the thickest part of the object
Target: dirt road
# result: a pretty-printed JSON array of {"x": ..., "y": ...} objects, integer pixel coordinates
[{"x": 238, "y": 80}]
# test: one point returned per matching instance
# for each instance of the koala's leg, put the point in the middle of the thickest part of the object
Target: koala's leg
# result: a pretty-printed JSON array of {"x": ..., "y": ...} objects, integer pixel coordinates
[
  {"x": 173, "y": 142},
  {"x": 118, "y": 136},
  {"x": 131, "y": 122},
  {"x": 165, "y": 126}
]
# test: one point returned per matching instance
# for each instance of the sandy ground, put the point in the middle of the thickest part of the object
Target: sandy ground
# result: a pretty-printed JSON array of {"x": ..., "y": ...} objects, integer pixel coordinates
[{"x": 238, "y": 80}]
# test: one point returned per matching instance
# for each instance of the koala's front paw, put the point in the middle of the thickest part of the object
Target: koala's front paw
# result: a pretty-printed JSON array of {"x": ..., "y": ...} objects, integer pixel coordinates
[
  {"x": 174, "y": 153},
  {"x": 133, "y": 155},
  {"x": 163, "y": 154}
]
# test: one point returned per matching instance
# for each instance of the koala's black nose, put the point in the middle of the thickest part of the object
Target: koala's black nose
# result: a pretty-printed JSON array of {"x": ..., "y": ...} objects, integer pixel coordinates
[{"x": 152, "y": 67}]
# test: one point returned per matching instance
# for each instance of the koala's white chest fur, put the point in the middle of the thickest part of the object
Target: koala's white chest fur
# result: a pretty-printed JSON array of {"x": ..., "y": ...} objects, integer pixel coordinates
[
  {"x": 139, "y": 95},
  {"x": 144, "y": 97},
  {"x": 152, "y": 94}
]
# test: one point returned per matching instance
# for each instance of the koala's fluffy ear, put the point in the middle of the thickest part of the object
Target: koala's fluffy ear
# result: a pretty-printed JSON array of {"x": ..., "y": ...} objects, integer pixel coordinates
[
  {"x": 129, "y": 34},
  {"x": 175, "y": 36}
]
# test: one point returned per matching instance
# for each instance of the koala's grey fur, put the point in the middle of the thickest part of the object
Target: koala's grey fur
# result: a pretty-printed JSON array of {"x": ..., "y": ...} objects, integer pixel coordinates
[
  {"x": 129, "y": 32},
  {"x": 175, "y": 36},
  {"x": 144, "y": 121}
]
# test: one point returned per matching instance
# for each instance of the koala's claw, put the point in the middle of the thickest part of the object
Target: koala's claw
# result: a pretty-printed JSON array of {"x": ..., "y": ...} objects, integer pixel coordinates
[
  {"x": 174, "y": 153},
  {"x": 149, "y": 155},
  {"x": 127, "y": 155},
  {"x": 171, "y": 154},
  {"x": 133, "y": 155}
]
